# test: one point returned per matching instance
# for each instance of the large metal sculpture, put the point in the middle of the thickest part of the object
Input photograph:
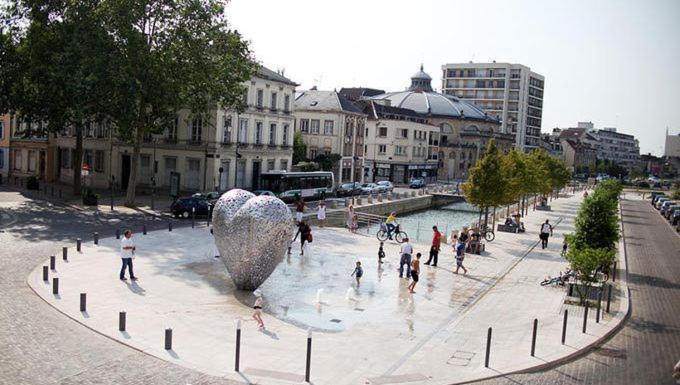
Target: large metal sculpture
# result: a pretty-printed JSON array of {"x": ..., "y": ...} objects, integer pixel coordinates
[{"x": 252, "y": 234}]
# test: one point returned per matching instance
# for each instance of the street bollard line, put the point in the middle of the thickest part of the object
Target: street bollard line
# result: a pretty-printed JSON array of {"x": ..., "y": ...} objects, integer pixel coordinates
[
  {"x": 121, "y": 321},
  {"x": 83, "y": 302},
  {"x": 533, "y": 337},
  {"x": 488, "y": 348},
  {"x": 564, "y": 326},
  {"x": 585, "y": 316},
  {"x": 308, "y": 365}
]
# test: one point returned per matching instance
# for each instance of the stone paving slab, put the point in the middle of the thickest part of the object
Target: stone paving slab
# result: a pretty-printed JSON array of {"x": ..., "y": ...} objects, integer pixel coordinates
[{"x": 437, "y": 334}]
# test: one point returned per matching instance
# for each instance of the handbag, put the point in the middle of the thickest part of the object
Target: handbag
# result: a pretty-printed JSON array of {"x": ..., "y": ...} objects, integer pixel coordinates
[{"x": 309, "y": 237}]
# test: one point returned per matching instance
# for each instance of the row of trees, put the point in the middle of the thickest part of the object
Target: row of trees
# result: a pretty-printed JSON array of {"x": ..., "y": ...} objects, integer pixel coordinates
[
  {"x": 131, "y": 64},
  {"x": 500, "y": 179},
  {"x": 320, "y": 162},
  {"x": 592, "y": 246}
]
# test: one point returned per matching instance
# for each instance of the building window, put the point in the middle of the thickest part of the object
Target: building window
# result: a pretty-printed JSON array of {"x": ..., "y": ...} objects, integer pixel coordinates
[
  {"x": 171, "y": 130},
  {"x": 258, "y": 132},
  {"x": 227, "y": 124},
  {"x": 315, "y": 126},
  {"x": 382, "y": 131},
  {"x": 304, "y": 125},
  {"x": 273, "y": 101},
  {"x": 2, "y": 155},
  {"x": 285, "y": 134},
  {"x": 65, "y": 158},
  {"x": 196, "y": 128},
  {"x": 17, "y": 159},
  {"x": 399, "y": 150},
  {"x": 99, "y": 161},
  {"x": 271, "y": 164},
  {"x": 32, "y": 160},
  {"x": 284, "y": 164},
  {"x": 328, "y": 127},
  {"x": 272, "y": 134},
  {"x": 286, "y": 103},
  {"x": 382, "y": 149},
  {"x": 244, "y": 97},
  {"x": 313, "y": 152},
  {"x": 260, "y": 98},
  {"x": 404, "y": 133},
  {"x": 243, "y": 131}
]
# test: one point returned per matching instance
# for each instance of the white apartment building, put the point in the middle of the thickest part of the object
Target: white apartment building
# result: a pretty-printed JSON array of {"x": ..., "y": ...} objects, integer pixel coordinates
[
  {"x": 614, "y": 146},
  {"x": 510, "y": 92},
  {"x": 400, "y": 145},
  {"x": 215, "y": 152},
  {"x": 331, "y": 124}
]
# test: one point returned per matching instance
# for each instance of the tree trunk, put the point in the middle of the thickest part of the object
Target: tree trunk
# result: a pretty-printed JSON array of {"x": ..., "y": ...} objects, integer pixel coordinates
[
  {"x": 77, "y": 161},
  {"x": 134, "y": 161},
  {"x": 493, "y": 223}
]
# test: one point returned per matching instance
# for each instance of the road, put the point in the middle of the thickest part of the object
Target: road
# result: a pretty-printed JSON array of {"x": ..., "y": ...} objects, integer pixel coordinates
[
  {"x": 646, "y": 348},
  {"x": 41, "y": 346}
]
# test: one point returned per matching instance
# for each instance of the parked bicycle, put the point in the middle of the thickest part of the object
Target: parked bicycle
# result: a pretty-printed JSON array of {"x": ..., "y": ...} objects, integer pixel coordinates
[
  {"x": 487, "y": 232},
  {"x": 560, "y": 279},
  {"x": 397, "y": 234}
]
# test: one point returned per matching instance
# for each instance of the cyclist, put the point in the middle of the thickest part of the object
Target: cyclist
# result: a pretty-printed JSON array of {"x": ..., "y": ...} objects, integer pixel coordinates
[{"x": 390, "y": 222}]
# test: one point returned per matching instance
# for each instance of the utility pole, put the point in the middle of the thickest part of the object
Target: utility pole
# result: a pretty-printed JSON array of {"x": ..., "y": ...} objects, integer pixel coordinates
[{"x": 111, "y": 177}]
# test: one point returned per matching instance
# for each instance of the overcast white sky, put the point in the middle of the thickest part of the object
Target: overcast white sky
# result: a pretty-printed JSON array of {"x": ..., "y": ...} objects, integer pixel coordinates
[{"x": 615, "y": 63}]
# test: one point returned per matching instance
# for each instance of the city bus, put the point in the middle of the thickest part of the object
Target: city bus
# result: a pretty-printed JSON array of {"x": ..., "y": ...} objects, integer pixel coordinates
[{"x": 309, "y": 185}]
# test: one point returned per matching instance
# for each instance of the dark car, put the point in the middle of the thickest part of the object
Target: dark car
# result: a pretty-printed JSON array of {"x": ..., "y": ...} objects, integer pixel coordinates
[
  {"x": 417, "y": 183},
  {"x": 182, "y": 208},
  {"x": 349, "y": 189},
  {"x": 212, "y": 196}
]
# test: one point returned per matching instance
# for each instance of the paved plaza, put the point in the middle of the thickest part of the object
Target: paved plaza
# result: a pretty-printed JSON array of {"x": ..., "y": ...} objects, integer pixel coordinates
[{"x": 377, "y": 332}]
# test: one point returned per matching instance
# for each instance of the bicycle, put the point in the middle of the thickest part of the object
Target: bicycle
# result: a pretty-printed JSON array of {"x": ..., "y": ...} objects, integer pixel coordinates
[
  {"x": 487, "y": 233},
  {"x": 560, "y": 279},
  {"x": 397, "y": 234}
]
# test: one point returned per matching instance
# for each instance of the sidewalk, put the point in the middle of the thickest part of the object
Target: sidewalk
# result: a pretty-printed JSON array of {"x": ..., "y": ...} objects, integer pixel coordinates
[{"x": 376, "y": 334}]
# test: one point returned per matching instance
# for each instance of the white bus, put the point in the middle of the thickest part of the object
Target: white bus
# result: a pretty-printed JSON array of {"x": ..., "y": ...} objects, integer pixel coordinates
[{"x": 310, "y": 185}]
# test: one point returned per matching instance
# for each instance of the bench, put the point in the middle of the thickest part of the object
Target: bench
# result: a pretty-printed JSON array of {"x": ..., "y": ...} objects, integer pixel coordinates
[{"x": 507, "y": 228}]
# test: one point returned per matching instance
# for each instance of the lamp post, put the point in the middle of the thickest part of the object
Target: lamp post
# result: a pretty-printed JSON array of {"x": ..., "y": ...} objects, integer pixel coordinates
[{"x": 154, "y": 139}]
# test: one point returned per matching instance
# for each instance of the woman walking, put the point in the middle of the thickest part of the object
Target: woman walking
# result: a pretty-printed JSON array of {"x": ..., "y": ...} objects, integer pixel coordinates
[
  {"x": 350, "y": 217},
  {"x": 321, "y": 213}
]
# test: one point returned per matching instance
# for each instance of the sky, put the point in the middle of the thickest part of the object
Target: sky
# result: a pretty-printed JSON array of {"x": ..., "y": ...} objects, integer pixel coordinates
[{"x": 615, "y": 63}]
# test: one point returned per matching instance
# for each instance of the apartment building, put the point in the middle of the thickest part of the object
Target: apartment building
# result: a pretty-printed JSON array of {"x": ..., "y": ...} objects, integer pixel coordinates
[
  {"x": 331, "y": 124},
  {"x": 29, "y": 151},
  {"x": 617, "y": 147},
  {"x": 217, "y": 151},
  {"x": 400, "y": 145},
  {"x": 510, "y": 92}
]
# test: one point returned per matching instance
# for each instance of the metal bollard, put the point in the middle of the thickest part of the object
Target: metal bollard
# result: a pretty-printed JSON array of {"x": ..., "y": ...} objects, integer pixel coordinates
[
  {"x": 83, "y": 302},
  {"x": 169, "y": 225},
  {"x": 78, "y": 242},
  {"x": 45, "y": 273},
  {"x": 599, "y": 307},
  {"x": 488, "y": 348},
  {"x": 144, "y": 229},
  {"x": 308, "y": 366},
  {"x": 533, "y": 337},
  {"x": 168, "y": 339},
  {"x": 609, "y": 296},
  {"x": 237, "y": 356},
  {"x": 193, "y": 216},
  {"x": 96, "y": 238},
  {"x": 564, "y": 326},
  {"x": 53, "y": 262},
  {"x": 585, "y": 316},
  {"x": 55, "y": 286},
  {"x": 121, "y": 321},
  {"x": 117, "y": 233},
  {"x": 64, "y": 253},
  {"x": 614, "y": 273}
]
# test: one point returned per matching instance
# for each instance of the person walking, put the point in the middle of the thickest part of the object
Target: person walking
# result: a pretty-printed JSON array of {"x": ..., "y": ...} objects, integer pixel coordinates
[
  {"x": 358, "y": 272},
  {"x": 415, "y": 273},
  {"x": 257, "y": 309},
  {"x": 460, "y": 254},
  {"x": 546, "y": 231},
  {"x": 127, "y": 252},
  {"x": 406, "y": 253},
  {"x": 305, "y": 233},
  {"x": 381, "y": 253},
  {"x": 350, "y": 218},
  {"x": 321, "y": 213},
  {"x": 299, "y": 208},
  {"x": 434, "y": 249}
]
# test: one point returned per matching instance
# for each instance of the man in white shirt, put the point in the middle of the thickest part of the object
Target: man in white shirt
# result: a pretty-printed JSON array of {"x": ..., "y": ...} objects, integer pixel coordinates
[
  {"x": 127, "y": 252},
  {"x": 406, "y": 253},
  {"x": 546, "y": 231}
]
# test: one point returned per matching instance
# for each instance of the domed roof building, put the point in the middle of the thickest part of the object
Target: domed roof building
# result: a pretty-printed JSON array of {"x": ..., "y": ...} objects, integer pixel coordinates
[{"x": 465, "y": 129}]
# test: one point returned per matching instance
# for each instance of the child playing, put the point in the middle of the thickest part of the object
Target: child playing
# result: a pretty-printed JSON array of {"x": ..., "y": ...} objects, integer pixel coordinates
[
  {"x": 257, "y": 313},
  {"x": 460, "y": 249},
  {"x": 321, "y": 213},
  {"x": 564, "y": 247},
  {"x": 358, "y": 272},
  {"x": 381, "y": 253},
  {"x": 415, "y": 270},
  {"x": 355, "y": 223}
]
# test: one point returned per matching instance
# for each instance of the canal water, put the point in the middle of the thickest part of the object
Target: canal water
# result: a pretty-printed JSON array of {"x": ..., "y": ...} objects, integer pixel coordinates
[{"x": 418, "y": 225}]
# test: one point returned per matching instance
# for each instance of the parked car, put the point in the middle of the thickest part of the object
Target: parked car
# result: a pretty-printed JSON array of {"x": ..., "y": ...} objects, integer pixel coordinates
[
  {"x": 349, "y": 189},
  {"x": 660, "y": 201},
  {"x": 675, "y": 218},
  {"x": 670, "y": 210},
  {"x": 417, "y": 183},
  {"x": 385, "y": 186},
  {"x": 369, "y": 188},
  {"x": 656, "y": 195},
  {"x": 211, "y": 197},
  {"x": 264, "y": 192},
  {"x": 182, "y": 207},
  {"x": 665, "y": 205}
]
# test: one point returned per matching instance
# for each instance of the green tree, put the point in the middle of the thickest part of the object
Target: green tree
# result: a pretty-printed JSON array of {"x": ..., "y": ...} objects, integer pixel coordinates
[
  {"x": 327, "y": 162},
  {"x": 299, "y": 148},
  {"x": 586, "y": 262},
  {"x": 486, "y": 186}
]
